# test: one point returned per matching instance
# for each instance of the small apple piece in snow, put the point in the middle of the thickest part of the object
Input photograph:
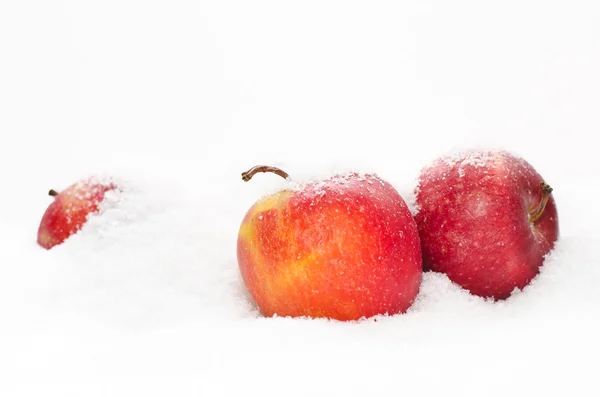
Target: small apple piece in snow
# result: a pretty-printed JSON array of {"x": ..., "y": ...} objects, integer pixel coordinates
[
  {"x": 486, "y": 219},
  {"x": 70, "y": 210},
  {"x": 342, "y": 248}
]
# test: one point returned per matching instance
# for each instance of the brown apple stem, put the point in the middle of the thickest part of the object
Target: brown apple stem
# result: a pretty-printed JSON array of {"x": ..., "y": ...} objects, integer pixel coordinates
[
  {"x": 52, "y": 193},
  {"x": 246, "y": 176},
  {"x": 537, "y": 213}
]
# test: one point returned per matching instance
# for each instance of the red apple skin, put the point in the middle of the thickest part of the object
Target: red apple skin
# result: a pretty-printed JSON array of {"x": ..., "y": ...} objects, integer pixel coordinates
[
  {"x": 474, "y": 222},
  {"x": 70, "y": 210},
  {"x": 344, "y": 248}
]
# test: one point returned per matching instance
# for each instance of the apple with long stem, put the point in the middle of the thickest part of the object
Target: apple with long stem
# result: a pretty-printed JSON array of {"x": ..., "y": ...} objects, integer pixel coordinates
[
  {"x": 486, "y": 219},
  {"x": 70, "y": 210},
  {"x": 343, "y": 248}
]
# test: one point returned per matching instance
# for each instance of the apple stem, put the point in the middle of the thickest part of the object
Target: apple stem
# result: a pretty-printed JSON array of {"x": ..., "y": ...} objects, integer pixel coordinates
[
  {"x": 52, "y": 193},
  {"x": 537, "y": 214},
  {"x": 246, "y": 176}
]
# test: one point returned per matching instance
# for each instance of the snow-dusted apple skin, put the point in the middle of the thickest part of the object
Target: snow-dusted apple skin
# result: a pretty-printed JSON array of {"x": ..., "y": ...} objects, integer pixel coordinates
[
  {"x": 343, "y": 248},
  {"x": 70, "y": 209},
  {"x": 474, "y": 213}
]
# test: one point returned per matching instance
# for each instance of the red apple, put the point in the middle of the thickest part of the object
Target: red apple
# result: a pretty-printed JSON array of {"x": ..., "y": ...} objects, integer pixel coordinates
[
  {"x": 70, "y": 210},
  {"x": 342, "y": 248},
  {"x": 486, "y": 219}
]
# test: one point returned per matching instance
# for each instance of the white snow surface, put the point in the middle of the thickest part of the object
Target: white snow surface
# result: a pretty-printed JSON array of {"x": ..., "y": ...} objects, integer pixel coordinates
[{"x": 177, "y": 98}]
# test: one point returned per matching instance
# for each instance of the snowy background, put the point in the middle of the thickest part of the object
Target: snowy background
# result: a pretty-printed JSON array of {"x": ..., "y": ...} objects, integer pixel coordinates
[{"x": 177, "y": 98}]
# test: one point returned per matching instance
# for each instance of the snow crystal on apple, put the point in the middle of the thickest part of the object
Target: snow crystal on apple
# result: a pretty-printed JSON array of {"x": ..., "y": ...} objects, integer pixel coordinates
[{"x": 475, "y": 158}]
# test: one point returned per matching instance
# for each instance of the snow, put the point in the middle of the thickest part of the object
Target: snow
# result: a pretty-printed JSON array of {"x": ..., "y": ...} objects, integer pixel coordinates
[{"x": 177, "y": 98}]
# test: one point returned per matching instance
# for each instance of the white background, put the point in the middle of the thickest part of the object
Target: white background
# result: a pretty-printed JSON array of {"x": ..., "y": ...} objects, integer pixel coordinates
[{"x": 177, "y": 98}]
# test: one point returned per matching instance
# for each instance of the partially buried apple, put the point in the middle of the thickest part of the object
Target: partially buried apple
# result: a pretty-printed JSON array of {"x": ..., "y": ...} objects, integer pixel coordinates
[
  {"x": 70, "y": 209},
  {"x": 342, "y": 248},
  {"x": 486, "y": 219}
]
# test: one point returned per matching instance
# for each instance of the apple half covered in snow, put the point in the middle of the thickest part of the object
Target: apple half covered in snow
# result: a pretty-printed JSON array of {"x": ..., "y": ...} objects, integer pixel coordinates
[
  {"x": 70, "y": 209},
  {"x": 342, "y": 248},
  {"x": 486, "y": 219}
]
